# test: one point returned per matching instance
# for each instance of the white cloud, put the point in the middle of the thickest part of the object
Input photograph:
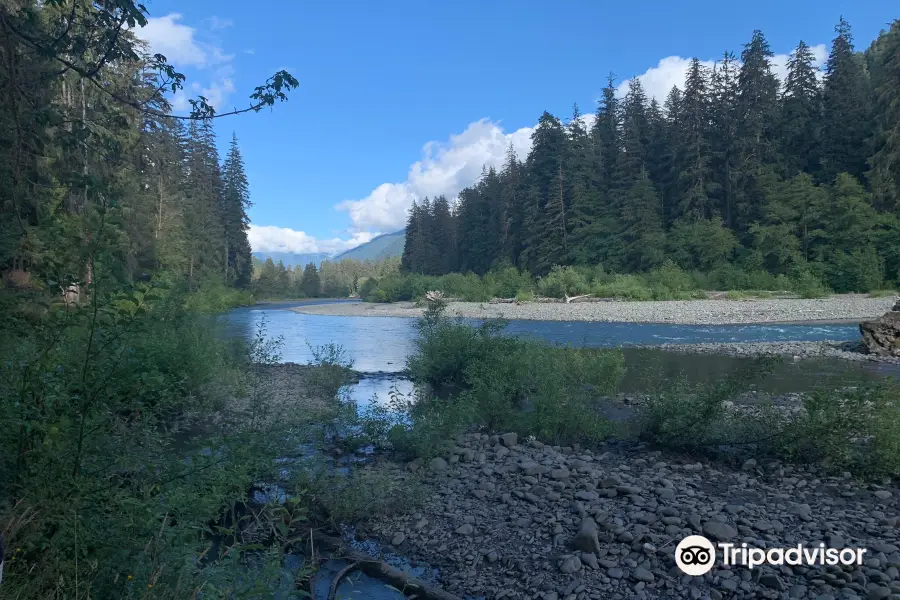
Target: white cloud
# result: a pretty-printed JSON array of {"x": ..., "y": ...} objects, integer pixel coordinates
[
  {"x": 176, "y": 41},
  {"x": 269, "y": 238},
  {"x": 671, "y": 71},
  {"x": 445, "y": 168},
  {"x": 182, "y": 47}
]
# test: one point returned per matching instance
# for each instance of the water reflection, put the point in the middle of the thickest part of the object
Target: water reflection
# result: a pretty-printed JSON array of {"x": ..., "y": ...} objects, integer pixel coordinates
[{"x": 382, "y": 344}]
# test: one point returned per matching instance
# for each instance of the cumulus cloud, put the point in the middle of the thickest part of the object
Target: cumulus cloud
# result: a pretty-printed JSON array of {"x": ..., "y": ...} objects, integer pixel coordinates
[
  {"x": 183, "y": 47},
  {"x": 269, "y": 238},
  {"x": 167, "y": 36},
  {"x": 445, "y": 168},
  {"x": 671, "y": 71}
]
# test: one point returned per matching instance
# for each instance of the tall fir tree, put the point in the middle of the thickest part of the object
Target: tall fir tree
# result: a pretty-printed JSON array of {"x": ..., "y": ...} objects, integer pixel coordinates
[
  {"x": 694, "y": 158},
  {"x": 235, "y": 203},
  {"x": 757, "y": 111},
  {"x": 846, "y": 116},
  {"x": 512, "y": 207},
  {"x": 545, "y": 214},
  {"x": 801, "y": 114}
]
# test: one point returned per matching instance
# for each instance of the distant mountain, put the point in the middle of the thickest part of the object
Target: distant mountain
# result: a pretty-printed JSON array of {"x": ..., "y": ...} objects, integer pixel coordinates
[
  {"x": 291, "y": 259},
  {"x": 384, "y": 246}
]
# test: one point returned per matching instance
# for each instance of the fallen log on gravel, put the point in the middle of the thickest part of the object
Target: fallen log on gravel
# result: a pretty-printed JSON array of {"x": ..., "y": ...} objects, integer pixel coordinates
[{"x": 378, "y": 569}]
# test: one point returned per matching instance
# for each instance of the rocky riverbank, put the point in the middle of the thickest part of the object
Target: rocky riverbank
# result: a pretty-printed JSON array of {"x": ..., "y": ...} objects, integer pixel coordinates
[
  {"x": 855, "y": 351},
  {"x": 848, "y": 307},
  {"x": 522, "y": 520}
]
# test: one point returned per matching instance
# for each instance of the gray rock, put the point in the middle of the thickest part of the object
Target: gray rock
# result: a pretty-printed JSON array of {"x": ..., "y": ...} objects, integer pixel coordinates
[
  {"x": 882, "y": 336},
  {"x": 771, "y": 581},
  {"x": 590, "y": 559},
  {"x": 438, "y": 464},
  {"x": 883, "y": 494},
  {"x": 570, "y": 565},
  {"x": 398, "y": 539},
  {"x": 559, "y": 474},
  {"x": 641, "y": 574},
  {"x": 586, "y": 496},
  {"x": 509, "y": 439},
  {"x": 879, "y": 593},
  {"x": 719, "y": 531},
  {"x": 465, "y": 529},
  {"x": 586, "y": 539}
]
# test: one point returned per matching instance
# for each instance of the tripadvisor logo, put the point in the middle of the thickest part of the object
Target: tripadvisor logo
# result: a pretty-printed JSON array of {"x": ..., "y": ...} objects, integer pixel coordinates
[{"x": 695, "y": 555}]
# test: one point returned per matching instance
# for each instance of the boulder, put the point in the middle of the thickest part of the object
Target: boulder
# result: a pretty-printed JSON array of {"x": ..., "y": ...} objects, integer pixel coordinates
[
  {"x": 882, "y": 336},
  {"x": 586, "y": 539}
]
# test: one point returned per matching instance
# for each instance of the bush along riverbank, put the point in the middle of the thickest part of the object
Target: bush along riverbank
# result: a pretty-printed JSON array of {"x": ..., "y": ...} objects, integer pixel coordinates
[
  {"x": 666, "y": 282},
  {"x": 537, "y": 484}
]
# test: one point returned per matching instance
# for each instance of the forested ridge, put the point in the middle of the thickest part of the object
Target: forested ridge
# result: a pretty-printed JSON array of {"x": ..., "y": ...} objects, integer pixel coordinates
[{"x": 738, "y": 171}]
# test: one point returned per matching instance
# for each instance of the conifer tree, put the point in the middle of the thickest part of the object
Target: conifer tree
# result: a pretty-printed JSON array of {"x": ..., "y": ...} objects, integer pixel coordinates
[
  {"x": 694, "y": 159},
  {"x": 846, "y": 120},
  {"x": 235, "y": 202},
  {"x": 546, "y": 220},
  {"x": 757, "y": 111},
  {"x": 512, "y": 207},
  {"x": 310, "y": 283},
  {"x": 801, "y": 114}
]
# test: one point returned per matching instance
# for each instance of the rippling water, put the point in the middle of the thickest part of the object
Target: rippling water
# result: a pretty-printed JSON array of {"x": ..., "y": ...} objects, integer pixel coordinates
[{"x": 381, "y": 344}]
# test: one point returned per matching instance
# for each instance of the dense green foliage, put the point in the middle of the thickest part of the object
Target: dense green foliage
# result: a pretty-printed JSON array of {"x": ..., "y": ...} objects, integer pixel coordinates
[
  {"x": 796, "y": 178},
  {"x": 118, "y": 226},
  {"x": 665, "y": 282}
]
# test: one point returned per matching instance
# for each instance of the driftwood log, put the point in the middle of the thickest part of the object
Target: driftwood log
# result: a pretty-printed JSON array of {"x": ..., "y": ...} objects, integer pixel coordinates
[{"x": 378, "y": 569}]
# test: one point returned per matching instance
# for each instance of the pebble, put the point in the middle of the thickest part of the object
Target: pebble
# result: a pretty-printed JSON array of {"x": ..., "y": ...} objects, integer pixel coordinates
[{"x": 551, "y": 513}]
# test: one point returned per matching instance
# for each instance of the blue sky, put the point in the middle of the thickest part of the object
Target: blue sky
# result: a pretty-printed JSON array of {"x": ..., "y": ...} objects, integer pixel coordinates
[{"x": 402, "y": 99}]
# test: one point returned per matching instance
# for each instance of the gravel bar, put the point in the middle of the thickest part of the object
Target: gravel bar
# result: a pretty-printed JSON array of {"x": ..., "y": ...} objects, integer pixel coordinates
[{"x": 846, "y": 308}]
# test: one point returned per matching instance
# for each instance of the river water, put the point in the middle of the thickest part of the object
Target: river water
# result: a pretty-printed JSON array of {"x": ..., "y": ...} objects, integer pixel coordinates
[{"x": 382, "y": 344}]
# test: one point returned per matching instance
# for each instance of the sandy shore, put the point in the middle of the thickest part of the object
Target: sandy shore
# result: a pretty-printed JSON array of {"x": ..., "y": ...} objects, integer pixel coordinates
[{"x": 844, "y": 308}]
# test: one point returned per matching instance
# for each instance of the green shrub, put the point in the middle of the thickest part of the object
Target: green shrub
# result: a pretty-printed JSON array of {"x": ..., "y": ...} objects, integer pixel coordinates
[
  {"x": 505, "y": 383},
  {"x": 671, "y": 277},
  {"x": 468, "y": 287},
  {"x": 213, "y": 296},
  {"x": 508, "y": 282},
  {"x": 525, "y": 296},
  {"x": 625, "y": 287},
  {"x": 859, "y": 271},
  {"x": 561, "y": 282},
  {"x": 807, "y": 285},
  {"x": 857, "y": 429}
]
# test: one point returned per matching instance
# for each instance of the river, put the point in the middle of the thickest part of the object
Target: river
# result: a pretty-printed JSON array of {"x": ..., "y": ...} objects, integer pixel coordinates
[{"x": 382, "y": 344}]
